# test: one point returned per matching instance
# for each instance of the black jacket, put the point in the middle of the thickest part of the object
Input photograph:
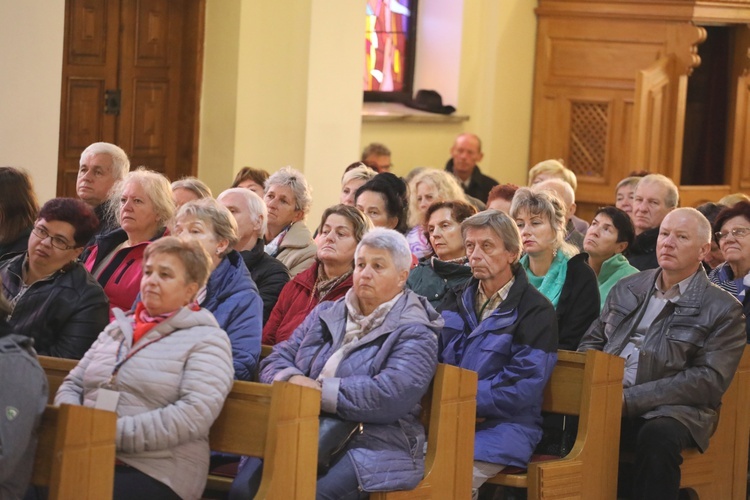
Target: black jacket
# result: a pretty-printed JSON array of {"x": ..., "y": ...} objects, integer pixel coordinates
[
  {"x": 20, "y": 244},
  {"x": 578, "y": 306},
  {"x": 269, "y": 274},
  {"x": 480, "y": 185},
  {"x": 63, "y": 313},
  {"x": 642, "y": 253}
]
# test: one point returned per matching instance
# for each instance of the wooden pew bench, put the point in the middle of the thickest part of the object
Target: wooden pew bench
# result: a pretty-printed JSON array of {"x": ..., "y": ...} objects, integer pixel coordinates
[
  {"x": 277, "y": 422},
  {"x": 588, "y": 385},
  {"x": 75, "y": 454}
]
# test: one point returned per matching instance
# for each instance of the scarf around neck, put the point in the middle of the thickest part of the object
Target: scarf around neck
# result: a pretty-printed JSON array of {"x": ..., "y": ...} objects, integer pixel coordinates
[{"x": 552, "y": 282}]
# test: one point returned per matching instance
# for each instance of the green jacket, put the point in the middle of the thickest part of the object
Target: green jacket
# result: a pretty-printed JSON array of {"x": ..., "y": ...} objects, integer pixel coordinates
[
  {"x": 613, "y": 269},
  {"x": 432, "y": 279}
]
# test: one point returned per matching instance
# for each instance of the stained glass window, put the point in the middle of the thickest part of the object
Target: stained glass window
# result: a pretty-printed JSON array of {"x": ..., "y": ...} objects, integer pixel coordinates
[{"x": 389, "y": 48}]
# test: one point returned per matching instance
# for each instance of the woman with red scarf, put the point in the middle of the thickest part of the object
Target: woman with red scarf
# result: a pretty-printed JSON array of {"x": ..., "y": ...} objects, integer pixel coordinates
[{"x": 166, "y": 370}]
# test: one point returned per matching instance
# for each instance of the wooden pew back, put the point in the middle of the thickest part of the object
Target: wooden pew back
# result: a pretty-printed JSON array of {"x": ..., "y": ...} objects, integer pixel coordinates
[
  {"x": 75, "y": 455},
  {"x": 588, "y": 385}
]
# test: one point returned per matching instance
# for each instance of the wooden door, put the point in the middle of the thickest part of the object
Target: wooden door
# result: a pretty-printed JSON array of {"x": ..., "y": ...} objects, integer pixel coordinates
[{"x": 148, "y": 50}]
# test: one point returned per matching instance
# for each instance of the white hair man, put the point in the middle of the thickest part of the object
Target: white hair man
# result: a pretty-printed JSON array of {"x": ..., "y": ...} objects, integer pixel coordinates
[{"x": 655, "y": 196}]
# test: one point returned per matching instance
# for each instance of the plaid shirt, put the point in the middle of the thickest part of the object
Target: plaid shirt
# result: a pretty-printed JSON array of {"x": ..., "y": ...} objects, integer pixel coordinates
[{"x": 484, "y": 305}]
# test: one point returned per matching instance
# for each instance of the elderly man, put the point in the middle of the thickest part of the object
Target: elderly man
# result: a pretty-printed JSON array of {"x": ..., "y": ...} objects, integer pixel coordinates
[
  {"x": 378, "y": 157},
  {"x": 251, "y": 215},
  {"x": 682, "y": 339},
  {"x": 500, "y": 326},
  {"x": 465, "y": 154},
  {"x": 655, "y": 196},
  {"x": 102, "y": 164}
]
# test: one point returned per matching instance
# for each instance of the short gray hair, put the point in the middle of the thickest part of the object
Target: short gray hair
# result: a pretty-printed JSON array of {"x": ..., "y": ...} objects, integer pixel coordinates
[
  {"x": 631, "y": 181},
  {"x": 502, "y": 225},
  {"x": 302, "y": 191},
  {"x": 120, "y": 162},
  {"x": 672, "y": 198},
  {"x": 547, "y": 205},
  {"x": 392, "y": 241},
  {"x": 255, "y": 206},
  {"x": 194, "y": 185},
  {"x": 191, "y": 253},
  {"x": 209, "y": 210},
  {"x": 157, "y": 188}
]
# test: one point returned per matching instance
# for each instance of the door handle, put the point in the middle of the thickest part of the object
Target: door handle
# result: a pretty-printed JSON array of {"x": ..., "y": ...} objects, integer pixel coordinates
[{"x": 112, "y": 102}]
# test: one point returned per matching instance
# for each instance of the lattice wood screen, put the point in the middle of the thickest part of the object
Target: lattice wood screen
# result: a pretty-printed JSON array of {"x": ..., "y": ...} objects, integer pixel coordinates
[{"x": 588, "y": 138}]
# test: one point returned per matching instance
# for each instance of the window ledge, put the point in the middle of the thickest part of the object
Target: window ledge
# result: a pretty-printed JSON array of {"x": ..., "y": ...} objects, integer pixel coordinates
[{"x": 373, "y": 112}]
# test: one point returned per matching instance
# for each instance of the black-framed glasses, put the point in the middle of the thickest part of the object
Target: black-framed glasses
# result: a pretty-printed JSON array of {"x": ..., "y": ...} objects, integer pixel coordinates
[
  {"x": 57, "y": 242},
  {"x": 737, "y": 232}
]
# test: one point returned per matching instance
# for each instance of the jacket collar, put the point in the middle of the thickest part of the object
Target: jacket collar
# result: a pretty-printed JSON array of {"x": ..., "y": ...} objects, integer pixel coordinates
[
  {"x": 689, "y": 303},
  {"x": 254, "y": 255},
  {"x": 468, "y": 297},
  {"x": 298, "y": 236}
]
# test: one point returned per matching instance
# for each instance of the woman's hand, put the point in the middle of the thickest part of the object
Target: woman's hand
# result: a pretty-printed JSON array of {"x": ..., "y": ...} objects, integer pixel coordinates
[{"x": 305, "y": 382}]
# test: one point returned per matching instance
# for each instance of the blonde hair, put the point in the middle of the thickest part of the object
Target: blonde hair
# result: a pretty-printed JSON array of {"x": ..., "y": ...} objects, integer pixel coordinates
[
  {"x": 732, "y": 199},
  {"x": 157, "y": 187},
  {"x": 549, "y": 206},
  {"x": 447, "y": 187},
  {"x": 555, "y": 168}
]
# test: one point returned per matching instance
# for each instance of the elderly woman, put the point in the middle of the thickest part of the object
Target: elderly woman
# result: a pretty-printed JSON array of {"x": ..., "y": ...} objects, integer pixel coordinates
[
  {"x": 372, "y": 355},
  {"x": 610, "y": 233},
  {"x": 553, "y": 266},
  {"x": 330, "y": 277},
  {"x": 624, "y": 194},
  {"x": 733, "y": 234},
  {"x": 355, "y": 176},
  {"x": 501, "y": 327},
  {"x": 383, "y": 200},
  {"x": 143, "y": 204},
  {"x": 428, "y": 187},
  {"x": 449, "y": 268},
  {"x": 189, "y": 189},
  {"x": 251, "y": 215},
  {"x": 288, "y": 199},
  {"x": 18, "y": 210},
  {"x": 55, "y": 300},
  {"x": 165, "y": 369},
  {"x": 230, "y": 293}
]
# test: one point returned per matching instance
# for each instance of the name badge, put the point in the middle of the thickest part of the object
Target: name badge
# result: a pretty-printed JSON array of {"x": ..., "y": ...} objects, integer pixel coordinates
[{"x": 107, "y": 399}]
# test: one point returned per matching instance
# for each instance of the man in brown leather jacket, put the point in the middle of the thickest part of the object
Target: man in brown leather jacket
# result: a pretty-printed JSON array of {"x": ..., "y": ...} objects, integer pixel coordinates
[{"x": 682, "y": 339}]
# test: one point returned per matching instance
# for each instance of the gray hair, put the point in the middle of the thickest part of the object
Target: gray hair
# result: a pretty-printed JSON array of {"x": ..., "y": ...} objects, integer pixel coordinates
[
  {"x": 632, "y": 182},
  {"x": 302, "y": 191},
  {"x": 392, "y": 241},
  {"x": 209, "y": 210},
  {"x": 255, "y": 206},
  {"x": 702, "y": 225},
  {"x": 502, "y": 225},
  {"x": 672, "y": 197},
  {"x": 120, "y": 162},
  {"x": 547, "y": 205},
  {"x": 362, "y": 173},
  {"x": 157, "y": 189},
  {"x": 194, "y": 185}
]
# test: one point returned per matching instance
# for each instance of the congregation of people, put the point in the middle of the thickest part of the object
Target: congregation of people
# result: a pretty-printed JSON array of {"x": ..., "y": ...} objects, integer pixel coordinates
[{"x": 166, "y": 293}]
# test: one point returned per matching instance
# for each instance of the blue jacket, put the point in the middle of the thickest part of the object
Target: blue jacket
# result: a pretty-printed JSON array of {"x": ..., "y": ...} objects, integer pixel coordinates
[
  {"x": 379, "y": 383},
  {"x": 232, "y": 297},
  {"x": 513, "y": 352}
]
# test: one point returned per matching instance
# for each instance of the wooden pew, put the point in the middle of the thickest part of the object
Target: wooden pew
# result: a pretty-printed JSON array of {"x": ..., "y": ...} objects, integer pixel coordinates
[
  {"x": 75, "y": 455},
  {"x": 277, "y": 422},
  {"x": 721, "y": 472},
  {"x": 449, "y": 416},
  {"x": 588, "y": 385}
]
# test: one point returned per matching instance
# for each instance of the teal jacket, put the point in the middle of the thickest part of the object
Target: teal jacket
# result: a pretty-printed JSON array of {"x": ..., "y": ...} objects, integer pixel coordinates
[{"x": 613, "y": 269}]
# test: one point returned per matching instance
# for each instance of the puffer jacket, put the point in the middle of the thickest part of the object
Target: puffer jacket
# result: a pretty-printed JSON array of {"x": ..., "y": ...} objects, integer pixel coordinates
[
  {"x": 380, "y": 383},
  {"x": 170, "y": 393},
  {"x": 121, "y": 278},
  {"x": 63, "y": 313},
  {"x": 269, "y": 275},
  {"x": 233, "y": 299},
  {"x": 297, "y": 250},
  {"x": 686, "y": 361},
  {"x": 513, "y": 352},
  {"x": 432, "y": 279},
  {"x": 295, "y": 303}
]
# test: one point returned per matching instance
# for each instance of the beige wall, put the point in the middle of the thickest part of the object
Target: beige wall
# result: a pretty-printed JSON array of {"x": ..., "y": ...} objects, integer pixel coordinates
[
  {"x": 31, "y": 34},
  {"x": 282, "y": 101}
]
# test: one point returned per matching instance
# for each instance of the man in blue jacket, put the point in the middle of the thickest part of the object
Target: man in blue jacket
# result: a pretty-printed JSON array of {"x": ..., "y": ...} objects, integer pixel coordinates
[{"x": 501, "y": 327}]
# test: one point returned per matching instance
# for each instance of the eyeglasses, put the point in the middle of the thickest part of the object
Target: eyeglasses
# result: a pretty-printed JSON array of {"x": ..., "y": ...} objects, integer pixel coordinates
[
  {"x": 737, "y": 232},
  {"x": 57, "y": 242}
]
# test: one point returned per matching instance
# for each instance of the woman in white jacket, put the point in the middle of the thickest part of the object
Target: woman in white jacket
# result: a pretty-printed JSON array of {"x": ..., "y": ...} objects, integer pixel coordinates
[{"x": 166, "y": 370}]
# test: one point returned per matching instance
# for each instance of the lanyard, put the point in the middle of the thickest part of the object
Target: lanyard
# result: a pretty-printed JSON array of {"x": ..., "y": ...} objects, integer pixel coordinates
[{"x": 119, "y": 363}]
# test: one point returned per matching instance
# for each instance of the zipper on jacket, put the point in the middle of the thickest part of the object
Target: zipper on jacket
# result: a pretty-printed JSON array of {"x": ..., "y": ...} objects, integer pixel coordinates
[{"x": 127, "y": 265}]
